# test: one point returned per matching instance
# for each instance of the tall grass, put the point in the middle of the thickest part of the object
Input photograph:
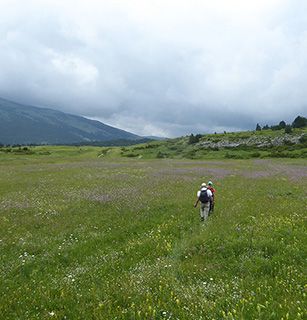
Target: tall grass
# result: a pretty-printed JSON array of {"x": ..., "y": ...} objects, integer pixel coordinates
[{"x": 83, "y": 237}]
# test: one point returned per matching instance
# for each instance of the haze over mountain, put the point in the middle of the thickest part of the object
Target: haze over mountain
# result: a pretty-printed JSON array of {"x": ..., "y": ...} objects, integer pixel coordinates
[{"x": 23, "y": 124}]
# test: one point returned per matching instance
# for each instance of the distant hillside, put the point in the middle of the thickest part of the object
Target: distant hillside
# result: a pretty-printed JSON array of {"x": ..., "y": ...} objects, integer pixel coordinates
[
  {"x": 23, "y": 124},
  {"x": 237, "y": 145}
]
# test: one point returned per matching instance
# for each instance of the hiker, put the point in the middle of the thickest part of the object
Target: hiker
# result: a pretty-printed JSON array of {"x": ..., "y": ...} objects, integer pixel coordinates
[
  {"x": 210, "y": 187},
  {"x": 204, "y": 196}
]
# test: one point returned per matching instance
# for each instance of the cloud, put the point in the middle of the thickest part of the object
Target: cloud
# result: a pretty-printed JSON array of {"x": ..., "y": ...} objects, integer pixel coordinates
[{"x": 158, "y": 67}]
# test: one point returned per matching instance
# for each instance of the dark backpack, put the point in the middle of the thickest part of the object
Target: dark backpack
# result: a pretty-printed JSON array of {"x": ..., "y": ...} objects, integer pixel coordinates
[{"x": 203, "y": 197}]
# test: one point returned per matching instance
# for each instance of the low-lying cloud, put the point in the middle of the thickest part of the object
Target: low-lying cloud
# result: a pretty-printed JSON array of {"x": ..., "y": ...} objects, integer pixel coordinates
[{"x": 158, "y": 67}]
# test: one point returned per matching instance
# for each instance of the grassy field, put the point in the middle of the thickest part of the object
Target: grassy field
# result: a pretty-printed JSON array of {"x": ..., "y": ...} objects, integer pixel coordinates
[{"x": 84, "y": 235}]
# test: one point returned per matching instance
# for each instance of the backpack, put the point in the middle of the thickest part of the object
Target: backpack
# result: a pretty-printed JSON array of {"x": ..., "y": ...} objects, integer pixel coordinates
[
  {"x": 212, "y": 190},
  {"x": 203, "y": 197}
]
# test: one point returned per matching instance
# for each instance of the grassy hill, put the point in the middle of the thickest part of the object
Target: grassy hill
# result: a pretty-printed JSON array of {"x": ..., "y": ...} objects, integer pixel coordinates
[
  {"x": 237, "y": 145},
  {"x": 86, "y": 234}
]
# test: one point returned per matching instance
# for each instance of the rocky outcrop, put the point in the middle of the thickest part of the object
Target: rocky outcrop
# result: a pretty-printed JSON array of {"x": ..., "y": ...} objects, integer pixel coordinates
[{"x": 253, "y": 141}]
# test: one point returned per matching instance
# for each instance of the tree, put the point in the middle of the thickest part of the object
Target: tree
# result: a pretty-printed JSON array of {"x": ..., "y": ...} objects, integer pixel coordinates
[
  {"x": 274, "y": 128},
  {"x": 282, "y": 124},
  {"x": 258, "y": 128},
  {"x": 299, "y": 122},
  {"x": 194, "y": 139},
  {"x": 266, "y": 127},
  {"x": 191, "y": 139},
  {"x": 160, "y": 155},
  {"x": 288, "y": 129}
]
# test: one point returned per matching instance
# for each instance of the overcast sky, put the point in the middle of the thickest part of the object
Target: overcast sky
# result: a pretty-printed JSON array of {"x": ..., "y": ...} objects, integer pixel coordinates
[{"x": 158, "y": 67}]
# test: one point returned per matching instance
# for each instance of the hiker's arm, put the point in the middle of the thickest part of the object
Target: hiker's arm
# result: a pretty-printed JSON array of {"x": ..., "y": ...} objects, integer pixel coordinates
[
  {"x": 211, "y": 197},
  {"x": 196, "y": 203}
]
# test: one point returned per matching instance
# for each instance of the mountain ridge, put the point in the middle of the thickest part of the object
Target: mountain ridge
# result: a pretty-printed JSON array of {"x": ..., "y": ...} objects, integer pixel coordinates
[{"x": 27, "y": 124}]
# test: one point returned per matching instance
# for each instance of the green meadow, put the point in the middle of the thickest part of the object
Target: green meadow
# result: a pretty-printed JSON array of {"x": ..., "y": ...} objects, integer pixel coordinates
[{"x": 88, "y": 234}]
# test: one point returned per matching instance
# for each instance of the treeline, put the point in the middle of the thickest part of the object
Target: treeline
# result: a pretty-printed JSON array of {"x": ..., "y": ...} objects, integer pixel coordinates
[
  {"x": 299, "y": 122},
  {"x": 112, "y": 143},
  {"x": 108, "y": 143},
  {"x": 16, "y": 149}
]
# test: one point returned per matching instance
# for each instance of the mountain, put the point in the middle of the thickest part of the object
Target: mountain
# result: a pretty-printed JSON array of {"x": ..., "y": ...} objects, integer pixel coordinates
[{"x": 23, "y": 124}]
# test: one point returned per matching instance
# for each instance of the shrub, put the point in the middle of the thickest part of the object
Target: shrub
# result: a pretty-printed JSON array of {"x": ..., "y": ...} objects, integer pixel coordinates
[
  {"x": 255, "y": 154},
  {"x": 303, "y": 139},
  {"x": 175, "y": 148},
  {"x": 304, "y": 154},
  {"x": 131, "y": 155},
  {"x": 234, "y": 156},
  {"x": 194, "y": 139},
  {"x": 214, "y": 148},
  {"x": 151, "y": 146},
  {"x": 44, "y": 153},
  {"x": 160, "y": 155},
  {"x": 275, "y": 128},
  {"x": 288, "y": 142},
  {"x": 284, "y": 155},
  {"x": 24, "y": 150},
  {"x": 288, "y": 129},
  {"x": 191, "y": 154},
  {"x": 139, "y": 148}
]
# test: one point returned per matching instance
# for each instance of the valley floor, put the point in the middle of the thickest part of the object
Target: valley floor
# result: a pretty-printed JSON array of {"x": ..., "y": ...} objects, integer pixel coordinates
[{"x": 85, "y": 237}]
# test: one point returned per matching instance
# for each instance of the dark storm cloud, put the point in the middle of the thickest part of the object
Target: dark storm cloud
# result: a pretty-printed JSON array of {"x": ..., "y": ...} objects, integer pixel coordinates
[{"x": 158, "y": 67}]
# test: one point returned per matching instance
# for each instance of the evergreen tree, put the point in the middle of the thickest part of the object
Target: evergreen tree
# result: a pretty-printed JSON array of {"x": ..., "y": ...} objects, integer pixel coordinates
[
  {"x": 258, "y": 128},
  {"x": 288, "y": 129},
  {"x": 194, "y": 139},
  {"x": 275, "y": 127},
  {"x": 299, "y": 122},
  {"x": 282, "y": 124},
  {"x": 191, "y": 139}
]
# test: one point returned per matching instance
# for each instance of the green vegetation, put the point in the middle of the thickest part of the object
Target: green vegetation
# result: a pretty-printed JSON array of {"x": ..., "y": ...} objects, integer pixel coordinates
[
  {"x": 86, "y": 233},
  {"x": 236, "y": 145},
  {"x": 298, "y": 122}
]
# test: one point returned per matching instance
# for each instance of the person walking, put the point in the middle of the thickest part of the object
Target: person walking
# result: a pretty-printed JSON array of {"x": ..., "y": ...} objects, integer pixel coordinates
[
  {"x": 211, "y": 188},
  {"x": 204, "y": 196}
]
